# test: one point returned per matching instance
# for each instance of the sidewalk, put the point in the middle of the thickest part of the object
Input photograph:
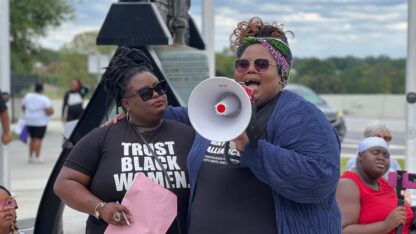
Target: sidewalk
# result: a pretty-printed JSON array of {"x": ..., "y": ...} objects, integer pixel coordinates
[{"x": 28, "y": 180}]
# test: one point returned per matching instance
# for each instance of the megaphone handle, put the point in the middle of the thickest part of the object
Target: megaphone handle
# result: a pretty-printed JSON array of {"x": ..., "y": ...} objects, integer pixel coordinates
[
  {"x": 227, "y": 156},
  {"x": 252, "y": 131}
]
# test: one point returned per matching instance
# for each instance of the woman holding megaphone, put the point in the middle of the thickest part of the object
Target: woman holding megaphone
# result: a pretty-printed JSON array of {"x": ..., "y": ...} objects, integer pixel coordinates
[{"x": 287, "y": 174}]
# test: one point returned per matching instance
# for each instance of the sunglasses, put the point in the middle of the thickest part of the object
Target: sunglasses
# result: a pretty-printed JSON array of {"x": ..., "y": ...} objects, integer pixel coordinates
[
  {"x": 9, "y": 202},
  {"x": 261, "y": 65},
  {"x": 146, "y": 93},
  {"x": 386, "y": 138}
]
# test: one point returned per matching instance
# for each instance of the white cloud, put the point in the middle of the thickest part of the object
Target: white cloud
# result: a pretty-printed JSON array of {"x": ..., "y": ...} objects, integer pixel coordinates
[
  {"x": 369, "y": 16},
  {"x": 348, "y": 38},
  {"x": 224, "y": 18},
  {"x": 56, "y": 38},
  {"x": 400, "y": 26},
  {"x": 273, "y": 7},
  {"x": 304, "y": 17}
]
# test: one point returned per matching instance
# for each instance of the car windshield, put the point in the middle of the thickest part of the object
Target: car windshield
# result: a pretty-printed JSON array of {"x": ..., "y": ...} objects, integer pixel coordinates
[{"x": 308, "y": 94}]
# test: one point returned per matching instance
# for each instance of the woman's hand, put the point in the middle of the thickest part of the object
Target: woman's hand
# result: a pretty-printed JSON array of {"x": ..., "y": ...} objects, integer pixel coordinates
[
  {"x": 108, "y": 211},
  {"x": 395, "y": 218},
  {"x": 6, "y": 137},
  {"x": 114, "y": 120},
  {"x": 241, "y": 142}
]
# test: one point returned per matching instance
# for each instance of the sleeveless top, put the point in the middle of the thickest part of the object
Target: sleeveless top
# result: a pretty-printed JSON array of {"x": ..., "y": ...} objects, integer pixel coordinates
[{"x": 376, "y": 205}]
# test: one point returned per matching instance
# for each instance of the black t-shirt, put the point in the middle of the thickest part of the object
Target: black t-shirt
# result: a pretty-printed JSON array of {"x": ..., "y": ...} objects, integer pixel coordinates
[
  {"x": 112, "y": 156},
  {"x": 231, "y": 199},
  {"x": 3, "y": 106}
]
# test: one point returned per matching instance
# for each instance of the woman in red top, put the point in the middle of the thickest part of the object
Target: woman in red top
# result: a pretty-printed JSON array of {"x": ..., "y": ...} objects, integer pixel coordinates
[{"x": 368, "y": 204}]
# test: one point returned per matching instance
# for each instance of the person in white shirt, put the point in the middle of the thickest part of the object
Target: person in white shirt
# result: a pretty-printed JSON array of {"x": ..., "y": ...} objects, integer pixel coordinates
[{"x": 37, "y": 108}]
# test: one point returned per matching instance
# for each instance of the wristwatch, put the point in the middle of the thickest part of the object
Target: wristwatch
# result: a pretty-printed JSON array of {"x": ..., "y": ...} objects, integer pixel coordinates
[{"x": 97, "y": 207}]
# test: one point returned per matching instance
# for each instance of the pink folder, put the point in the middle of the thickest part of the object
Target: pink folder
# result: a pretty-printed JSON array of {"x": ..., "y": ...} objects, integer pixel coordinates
[{"x": 153, "y": 208}]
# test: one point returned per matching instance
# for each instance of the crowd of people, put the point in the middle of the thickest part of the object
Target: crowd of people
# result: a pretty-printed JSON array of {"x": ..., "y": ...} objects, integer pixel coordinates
[{"x": 285, "y": 176}]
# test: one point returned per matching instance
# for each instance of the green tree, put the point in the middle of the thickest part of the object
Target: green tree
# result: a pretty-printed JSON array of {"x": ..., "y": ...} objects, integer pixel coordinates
[
  {"x": 224, "y": 63},
  {"x": 85, "y": 43},
  {"x": 74, "y": 59},
  {"x": 29, "y": 20}
]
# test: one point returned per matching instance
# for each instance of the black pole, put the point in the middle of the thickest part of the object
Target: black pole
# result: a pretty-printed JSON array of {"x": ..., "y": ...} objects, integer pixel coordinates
[{"x": 400, "y": 197}]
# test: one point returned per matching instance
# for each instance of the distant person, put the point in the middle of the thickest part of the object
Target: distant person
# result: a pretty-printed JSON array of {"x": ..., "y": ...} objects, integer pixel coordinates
[
  {"x": 6, "y": 135},
  {"x": 72, "y": 107},
  {"x": 377, "y": 129},
  {"x": 37, "y": 108},
  {"x": 8, "y": 208},
  {"x": 368, "y": 203}
]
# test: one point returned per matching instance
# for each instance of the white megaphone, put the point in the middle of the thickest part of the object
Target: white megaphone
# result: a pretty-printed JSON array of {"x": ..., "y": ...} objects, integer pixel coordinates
[{"x": 219, "y": 109}]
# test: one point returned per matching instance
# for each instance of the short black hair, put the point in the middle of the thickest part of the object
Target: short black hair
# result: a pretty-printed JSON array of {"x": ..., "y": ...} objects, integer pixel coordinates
[{"x": 38, "y": 87}]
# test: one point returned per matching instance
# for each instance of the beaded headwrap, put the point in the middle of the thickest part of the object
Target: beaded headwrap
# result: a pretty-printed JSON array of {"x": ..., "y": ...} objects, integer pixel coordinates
[{"x": 279, "y": 50}]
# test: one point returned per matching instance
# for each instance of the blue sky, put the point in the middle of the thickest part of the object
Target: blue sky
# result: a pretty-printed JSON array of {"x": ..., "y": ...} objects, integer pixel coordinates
[{"x": 322, "y": 28}]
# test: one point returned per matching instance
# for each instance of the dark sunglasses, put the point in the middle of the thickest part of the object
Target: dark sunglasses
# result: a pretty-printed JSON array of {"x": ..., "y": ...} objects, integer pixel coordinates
[
  {"x": 9, "y": 202},
  {"x": 146, "y": 93},
  {"x": 261, "y": 65}
]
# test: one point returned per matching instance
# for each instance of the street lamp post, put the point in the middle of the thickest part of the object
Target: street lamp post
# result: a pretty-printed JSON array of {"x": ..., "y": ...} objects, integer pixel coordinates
[
  {"x": 411, "y": 90},
  {"x": 4, "y": 81}
]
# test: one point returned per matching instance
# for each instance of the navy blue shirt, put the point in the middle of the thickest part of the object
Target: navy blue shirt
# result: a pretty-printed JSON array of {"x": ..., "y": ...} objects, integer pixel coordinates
[{"x": 223, "y": 192}]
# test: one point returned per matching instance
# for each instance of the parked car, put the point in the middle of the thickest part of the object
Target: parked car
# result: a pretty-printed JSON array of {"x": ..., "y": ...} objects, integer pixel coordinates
[{"x": 336, "y": 117}]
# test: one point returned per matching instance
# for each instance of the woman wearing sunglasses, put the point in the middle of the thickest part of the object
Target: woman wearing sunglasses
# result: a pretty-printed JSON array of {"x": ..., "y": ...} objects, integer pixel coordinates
[
  {"x": 287, "y": 176},
  {"x": 8, "y": 208},
  {"x": 102, "y": 165}
]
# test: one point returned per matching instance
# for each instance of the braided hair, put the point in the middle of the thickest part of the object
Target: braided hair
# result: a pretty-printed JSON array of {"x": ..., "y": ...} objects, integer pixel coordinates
[
  {"x": 13, "y": 227},
  {"x": 126, "y": 63}
]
